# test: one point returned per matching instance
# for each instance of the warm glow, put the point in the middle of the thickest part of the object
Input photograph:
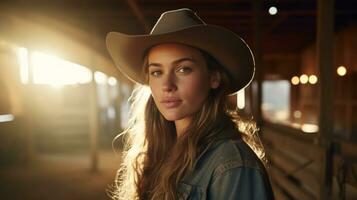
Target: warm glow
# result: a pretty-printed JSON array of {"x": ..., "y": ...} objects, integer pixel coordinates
[
  {"x": 282, "y": 114},
  {"x": 341, "y": 70},
  {"x": 304, "y": 79},
  {"x": 313, "y": 79},
  {"x": 6, "y": 118},
  {"x": 241, "y": 99},
  {"x": 297, "y": 114},
  {"x": 111, "y": 112},
  {"x": 22, "y": 55},
  {"x": 295, "y": 80},
  {"x": 112, "y": 81},
  {"x": 100, "y": 77},
  {"x": 309, "y": 128},
  {"x": 296, "y": 125},
  {"x": 48, "y": 69},
  {"x": 273, "y": 10}
]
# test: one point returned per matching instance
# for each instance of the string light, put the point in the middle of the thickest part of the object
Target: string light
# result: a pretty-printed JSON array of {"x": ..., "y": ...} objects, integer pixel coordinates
[
  {"x": 273, "y": 10},
  {"x": 295, "y": 80},
  {"x": 312, "y": 79},
  {"x": 341, "y": 70},
  {"x": 304, "y": 79}
]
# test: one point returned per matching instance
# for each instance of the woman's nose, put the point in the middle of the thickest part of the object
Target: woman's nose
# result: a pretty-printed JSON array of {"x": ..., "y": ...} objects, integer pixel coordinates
[{"x": 169, "y": 84}]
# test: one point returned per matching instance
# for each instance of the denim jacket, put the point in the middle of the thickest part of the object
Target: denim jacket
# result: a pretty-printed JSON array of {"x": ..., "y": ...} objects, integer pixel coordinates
[{"x": 227, "y": 170}]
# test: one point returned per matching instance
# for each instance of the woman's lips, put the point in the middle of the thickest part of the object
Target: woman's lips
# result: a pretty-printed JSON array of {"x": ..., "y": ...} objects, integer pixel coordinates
[{"x": 171, "y": 103}]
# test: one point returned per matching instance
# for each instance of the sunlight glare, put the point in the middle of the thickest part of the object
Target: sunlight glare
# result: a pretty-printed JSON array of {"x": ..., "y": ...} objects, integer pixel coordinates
[
  {"x": 22, "y": 55},
  {"x": 100, "y": 78},
  {"x": 48, "y": 69},
  {"x": 241, "y": 99}
]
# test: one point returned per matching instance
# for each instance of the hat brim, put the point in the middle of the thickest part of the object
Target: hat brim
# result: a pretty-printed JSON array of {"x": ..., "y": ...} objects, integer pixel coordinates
[{"x": 228, "y": 48}]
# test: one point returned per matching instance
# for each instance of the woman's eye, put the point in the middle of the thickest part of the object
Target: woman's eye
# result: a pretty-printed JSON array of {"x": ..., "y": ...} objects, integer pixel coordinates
[
  {"x": 155, "y": 73},
  {"x": 185, "y": 70}
]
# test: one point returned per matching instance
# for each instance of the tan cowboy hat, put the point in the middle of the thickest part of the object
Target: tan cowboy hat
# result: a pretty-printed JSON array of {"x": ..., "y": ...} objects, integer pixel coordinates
[{"x": 185, "y": 27}]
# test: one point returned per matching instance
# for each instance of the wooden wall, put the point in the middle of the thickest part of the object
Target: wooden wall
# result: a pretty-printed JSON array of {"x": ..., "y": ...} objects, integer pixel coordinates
[{"x": 297, "y": 158}]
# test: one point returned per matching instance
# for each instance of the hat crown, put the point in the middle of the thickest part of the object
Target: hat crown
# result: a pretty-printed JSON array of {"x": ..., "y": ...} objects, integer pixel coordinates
[{"x": 175, "y": 20}]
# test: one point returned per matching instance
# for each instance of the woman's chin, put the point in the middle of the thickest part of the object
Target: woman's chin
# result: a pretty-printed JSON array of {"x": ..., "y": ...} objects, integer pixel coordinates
[{"x": 172, "y": 116}]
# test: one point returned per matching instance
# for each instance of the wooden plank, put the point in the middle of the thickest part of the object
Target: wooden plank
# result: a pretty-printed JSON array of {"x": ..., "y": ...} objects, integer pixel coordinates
[
  {"x": 291, "y": 167},
  {"x": 285, "y": 141},
  {"x": 279, "y": 193},
  {"x": 294, "y": 190},
  {"x": 350, "y": 167},
  {"x": 298, "y": 134}
]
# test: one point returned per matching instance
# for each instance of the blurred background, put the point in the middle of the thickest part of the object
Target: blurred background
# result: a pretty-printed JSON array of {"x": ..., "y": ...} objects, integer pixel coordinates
[{"x": 62, "y": 101}]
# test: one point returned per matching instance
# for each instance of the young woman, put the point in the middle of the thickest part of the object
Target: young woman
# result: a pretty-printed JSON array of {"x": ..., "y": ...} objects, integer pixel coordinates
[{"x": 183, "y": 142}]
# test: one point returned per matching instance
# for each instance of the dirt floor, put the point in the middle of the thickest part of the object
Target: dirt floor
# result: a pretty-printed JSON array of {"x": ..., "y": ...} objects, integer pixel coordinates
[{"x": 65, "y": 177}]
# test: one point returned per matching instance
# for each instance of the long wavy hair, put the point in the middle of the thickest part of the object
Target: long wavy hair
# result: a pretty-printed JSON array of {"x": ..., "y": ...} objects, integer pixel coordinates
[{"x": 155, "y": 159}]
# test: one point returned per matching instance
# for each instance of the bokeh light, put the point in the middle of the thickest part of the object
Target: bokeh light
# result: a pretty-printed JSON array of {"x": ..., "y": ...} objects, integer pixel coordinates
[
  {"x": 100, "y": 78},
  {"x": 295, "y": 80},
  {"x": 310, "y": 128},
  {"x": 112, "y": 81},
  {"x": 297, "y": 114},
  {"x": 341, "y": 70},
  {"x": 304, "y": 79},
  {"x": 273, "y": 10},
  {"x": 6, "y": 118},
  {"x": 241, "y": 99},
  {"x": 312, "y": 79}
]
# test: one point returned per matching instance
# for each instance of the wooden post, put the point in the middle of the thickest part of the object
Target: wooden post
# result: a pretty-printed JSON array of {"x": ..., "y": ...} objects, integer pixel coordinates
[
  {"x": 93, "y": 125},
  {"x": 29, "y": 113},
  {"x": 258, "y": 63},
  {"x": 325, "y": 62}
]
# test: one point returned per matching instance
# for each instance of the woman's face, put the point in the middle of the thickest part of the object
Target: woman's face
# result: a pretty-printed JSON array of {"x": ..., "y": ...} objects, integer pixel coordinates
[{"x": 179, "y": 80}]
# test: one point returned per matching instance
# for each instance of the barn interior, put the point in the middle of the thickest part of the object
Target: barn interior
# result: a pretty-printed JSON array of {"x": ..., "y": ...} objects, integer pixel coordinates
[{"x": 63, "y": 101}]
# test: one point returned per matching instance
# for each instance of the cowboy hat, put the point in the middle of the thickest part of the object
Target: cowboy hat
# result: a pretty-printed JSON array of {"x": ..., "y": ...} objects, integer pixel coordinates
[{"x": 185, "y": 27}]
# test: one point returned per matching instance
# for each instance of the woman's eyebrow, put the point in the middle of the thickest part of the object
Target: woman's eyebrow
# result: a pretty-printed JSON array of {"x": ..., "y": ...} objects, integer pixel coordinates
[
  {"x": 175, "y": 62},
  {"x": 182, "y": 60},
  {"x": 154, "y": 65}
]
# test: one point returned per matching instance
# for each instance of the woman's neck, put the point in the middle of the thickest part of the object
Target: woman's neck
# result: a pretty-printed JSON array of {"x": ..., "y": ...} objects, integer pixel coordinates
[{"x": 181, "y": 125}]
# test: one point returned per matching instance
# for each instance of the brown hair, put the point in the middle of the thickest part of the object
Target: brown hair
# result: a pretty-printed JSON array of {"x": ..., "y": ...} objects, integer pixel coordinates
[{"x": 155, "y": 160}]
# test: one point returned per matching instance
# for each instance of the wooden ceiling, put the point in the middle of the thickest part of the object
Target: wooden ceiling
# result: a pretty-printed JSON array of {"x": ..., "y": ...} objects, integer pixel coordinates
[{"x": 289, "y": 31}]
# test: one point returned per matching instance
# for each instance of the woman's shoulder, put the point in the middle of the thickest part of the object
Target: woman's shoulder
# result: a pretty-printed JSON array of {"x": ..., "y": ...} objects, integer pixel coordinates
[
  {"x": 239, "y": 174},
  {"x": 222, "y": 157},
  {"x": 230, "y": 153},
  {"x": 226, "y": 154}
]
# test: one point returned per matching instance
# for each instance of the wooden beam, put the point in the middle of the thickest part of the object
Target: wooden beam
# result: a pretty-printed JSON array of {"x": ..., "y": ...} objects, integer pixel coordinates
[
  {"x": 258, "y": 54},
  {"x": 274, "y": 24},
  {"x": 139, "y": 14},
  {"x": 325, "y": 31}
]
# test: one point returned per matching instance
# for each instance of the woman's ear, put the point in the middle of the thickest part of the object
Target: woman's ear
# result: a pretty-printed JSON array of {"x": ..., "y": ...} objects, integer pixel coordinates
[{"x": 215, "y": 79}]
